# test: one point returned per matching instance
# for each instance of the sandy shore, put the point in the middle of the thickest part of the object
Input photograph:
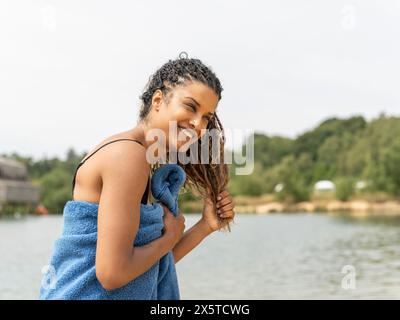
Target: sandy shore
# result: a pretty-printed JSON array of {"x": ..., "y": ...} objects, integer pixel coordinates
[
  {"x": 360, "y": 206},
  {"x": 266, "y": 204}
]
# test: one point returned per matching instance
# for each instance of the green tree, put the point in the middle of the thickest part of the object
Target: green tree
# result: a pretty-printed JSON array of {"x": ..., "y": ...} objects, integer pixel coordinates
[
  {"x": 290, "y": 172},
  {"x": 55, "y": 189},
  {"x": 344, "y": 188},
  {"x": 391, "y": 164}
]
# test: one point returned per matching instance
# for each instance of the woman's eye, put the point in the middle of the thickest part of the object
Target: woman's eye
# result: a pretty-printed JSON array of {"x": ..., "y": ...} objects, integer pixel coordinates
[{"x": 191, "y": 107}]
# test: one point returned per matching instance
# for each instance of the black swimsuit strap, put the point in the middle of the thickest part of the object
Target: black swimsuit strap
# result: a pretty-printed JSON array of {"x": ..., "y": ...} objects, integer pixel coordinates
[{"x": 146, "y": 193}]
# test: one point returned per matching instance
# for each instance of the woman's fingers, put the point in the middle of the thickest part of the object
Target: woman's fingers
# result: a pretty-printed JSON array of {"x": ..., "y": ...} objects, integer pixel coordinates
[
  {"x": 166, "y": 210},
  {"x": 225, "y": 202},
  {"x": 225, "y": 205},
  {"x": 225, "y": 209},
  {"x": 223, "y": 194},
  {"x": 178, "y": 216},
  {"x": 228, "y": 214}
]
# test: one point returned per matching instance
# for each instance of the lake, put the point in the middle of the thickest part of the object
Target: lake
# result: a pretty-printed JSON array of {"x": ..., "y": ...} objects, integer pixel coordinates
[{"x": 277, "y": 256}]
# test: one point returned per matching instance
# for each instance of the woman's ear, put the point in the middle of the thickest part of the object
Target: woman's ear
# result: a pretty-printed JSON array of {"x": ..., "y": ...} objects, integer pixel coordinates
[{"x": 157, "y": 99}]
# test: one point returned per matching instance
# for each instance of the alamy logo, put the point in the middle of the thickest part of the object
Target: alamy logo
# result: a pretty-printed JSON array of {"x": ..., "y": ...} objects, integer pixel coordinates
[
  {"x": 203, "y": 147},
  {"x": 349, "y": 280},
  {"x": 49, "y": 279}
]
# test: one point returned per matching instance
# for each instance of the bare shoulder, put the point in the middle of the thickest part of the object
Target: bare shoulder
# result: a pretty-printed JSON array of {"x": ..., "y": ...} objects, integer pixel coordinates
[
  {"x": 124, "y": 173},
  {"x": 125, "y": 156}
]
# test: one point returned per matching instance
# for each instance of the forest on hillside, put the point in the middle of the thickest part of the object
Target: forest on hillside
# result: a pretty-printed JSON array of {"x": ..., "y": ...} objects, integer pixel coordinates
[{"x": 344, "y": 151}]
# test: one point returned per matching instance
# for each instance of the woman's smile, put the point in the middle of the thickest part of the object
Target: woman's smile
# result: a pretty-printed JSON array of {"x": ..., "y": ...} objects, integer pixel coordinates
[{"x": 188, "y": 132}]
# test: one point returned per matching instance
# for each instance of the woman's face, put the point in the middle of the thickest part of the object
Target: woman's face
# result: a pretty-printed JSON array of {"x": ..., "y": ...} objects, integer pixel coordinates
[{"x": 185, "y": 118}]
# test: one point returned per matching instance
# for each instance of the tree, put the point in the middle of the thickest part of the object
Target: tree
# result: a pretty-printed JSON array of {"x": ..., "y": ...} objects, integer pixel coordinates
[
  {"x": 290, "y": 172},
  {"x": 391, "y": 164},
  {"x": 344, "y": 188}
]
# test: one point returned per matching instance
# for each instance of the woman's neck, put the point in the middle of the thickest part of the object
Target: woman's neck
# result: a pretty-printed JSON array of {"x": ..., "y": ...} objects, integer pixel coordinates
[{"x": 141, "y": 132}]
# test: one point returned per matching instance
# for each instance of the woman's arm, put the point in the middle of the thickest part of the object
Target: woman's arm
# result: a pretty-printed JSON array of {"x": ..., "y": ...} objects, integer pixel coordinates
[
  {"x": 117, "y": 261},
  {"x": 207, "y": 224},
  {"x": 190, "y": 239}
]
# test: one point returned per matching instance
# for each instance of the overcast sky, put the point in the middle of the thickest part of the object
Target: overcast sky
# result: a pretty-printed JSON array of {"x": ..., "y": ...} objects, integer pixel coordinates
[{"x": 71, "y": 72}]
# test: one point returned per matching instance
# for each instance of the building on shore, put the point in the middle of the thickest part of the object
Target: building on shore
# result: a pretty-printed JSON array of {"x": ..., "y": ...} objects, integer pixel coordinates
[{"x": 14, "y": 185}]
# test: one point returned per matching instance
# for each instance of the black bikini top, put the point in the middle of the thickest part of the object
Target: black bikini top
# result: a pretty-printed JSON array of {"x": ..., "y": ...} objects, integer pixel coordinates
[{"x": 146, "y": 193}]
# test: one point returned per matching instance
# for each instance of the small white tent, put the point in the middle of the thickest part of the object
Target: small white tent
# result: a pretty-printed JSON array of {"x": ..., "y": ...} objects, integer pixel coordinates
[{"x": 324, "y": 185}]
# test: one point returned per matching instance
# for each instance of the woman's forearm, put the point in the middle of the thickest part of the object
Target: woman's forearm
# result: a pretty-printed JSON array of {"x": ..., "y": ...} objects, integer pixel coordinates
[
  {"x": 137, "y": 262},
  {"x": 144, "y": 257},
  {"x": 190, "y": 239}
]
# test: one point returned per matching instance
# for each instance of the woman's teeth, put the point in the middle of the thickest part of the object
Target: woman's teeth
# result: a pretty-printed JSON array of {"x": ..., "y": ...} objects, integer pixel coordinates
[{"x": 186, "y": 132}]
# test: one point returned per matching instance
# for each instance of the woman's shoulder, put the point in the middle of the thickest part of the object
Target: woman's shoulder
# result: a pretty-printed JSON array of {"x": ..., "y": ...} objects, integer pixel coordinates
[
  {"x": 124, "y": 150},
  {"x": 123, "y": 168}
]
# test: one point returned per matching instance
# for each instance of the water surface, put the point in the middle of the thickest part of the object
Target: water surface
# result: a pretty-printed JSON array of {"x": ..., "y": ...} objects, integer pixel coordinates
[{"x": 278, "y": 256}]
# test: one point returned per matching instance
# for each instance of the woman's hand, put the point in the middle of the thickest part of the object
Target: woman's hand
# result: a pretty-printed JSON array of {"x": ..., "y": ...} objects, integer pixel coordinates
[
  {"x": 173, "y": 226},
  {"x": 225, "y": 206}
]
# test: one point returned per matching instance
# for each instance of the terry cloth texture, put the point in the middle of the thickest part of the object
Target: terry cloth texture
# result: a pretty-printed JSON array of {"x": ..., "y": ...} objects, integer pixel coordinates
[{"x": 71, "y": 271}]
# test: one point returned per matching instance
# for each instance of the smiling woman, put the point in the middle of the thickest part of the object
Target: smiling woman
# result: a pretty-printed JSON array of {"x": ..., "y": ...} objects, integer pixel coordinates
[
  {"x": 187, "y": 91},
  {"x": 112, "y": 246}
]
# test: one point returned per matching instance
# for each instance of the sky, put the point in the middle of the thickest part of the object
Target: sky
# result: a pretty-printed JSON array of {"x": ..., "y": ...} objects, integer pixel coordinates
[{"x": 71, "y": 72}]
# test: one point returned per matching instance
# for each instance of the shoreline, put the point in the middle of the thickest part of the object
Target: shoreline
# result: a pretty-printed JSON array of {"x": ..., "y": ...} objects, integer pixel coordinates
[
  {"x": 361, "y": 207},
  {"x": 266, "y": 204}
]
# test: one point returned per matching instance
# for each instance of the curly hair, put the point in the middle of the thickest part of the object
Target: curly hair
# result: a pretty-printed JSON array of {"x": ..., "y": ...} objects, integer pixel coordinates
[{"x": 208, "y": 179}]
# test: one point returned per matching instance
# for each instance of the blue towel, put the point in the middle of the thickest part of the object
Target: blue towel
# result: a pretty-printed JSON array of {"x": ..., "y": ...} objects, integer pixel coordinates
[{"x": 71, "y": 272}]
